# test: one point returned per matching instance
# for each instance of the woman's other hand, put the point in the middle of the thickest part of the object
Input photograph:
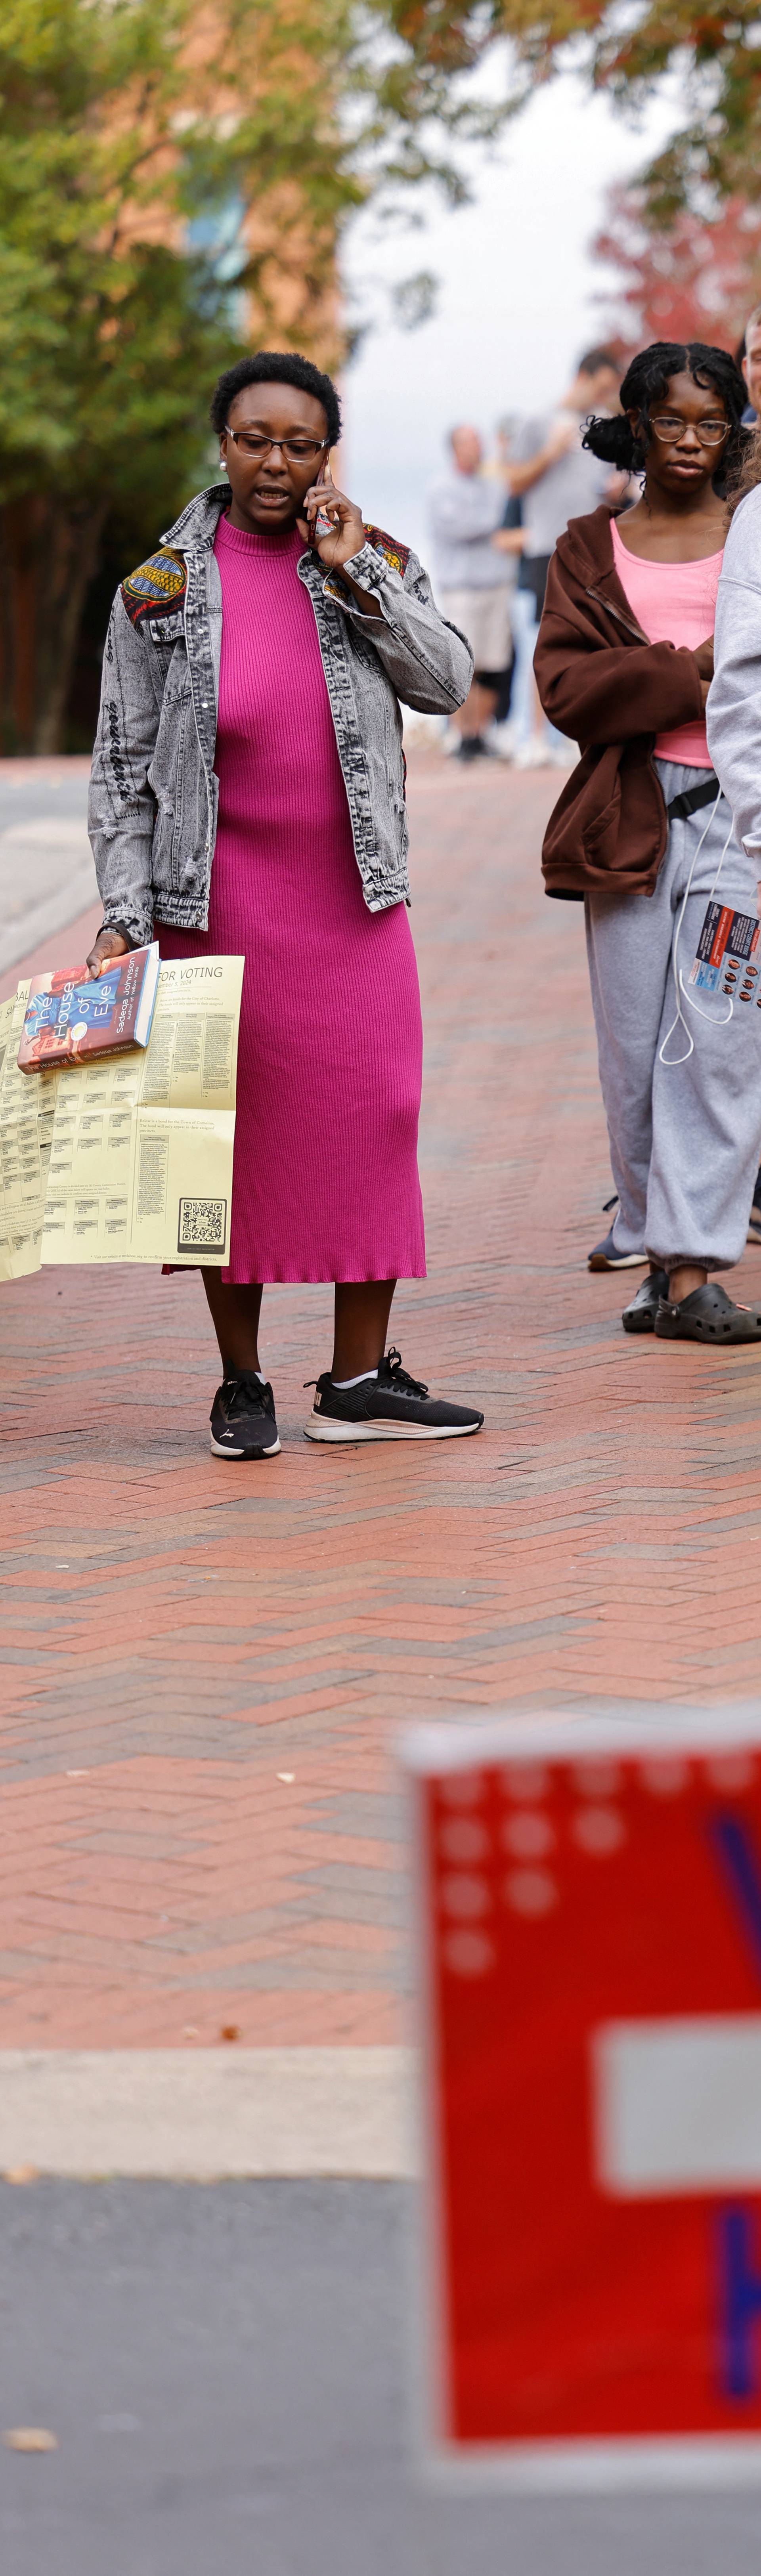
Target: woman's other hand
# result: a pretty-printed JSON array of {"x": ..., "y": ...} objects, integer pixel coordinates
[
  {"x": 704, "y": 658},
  {"x": 109, "y": 943}
]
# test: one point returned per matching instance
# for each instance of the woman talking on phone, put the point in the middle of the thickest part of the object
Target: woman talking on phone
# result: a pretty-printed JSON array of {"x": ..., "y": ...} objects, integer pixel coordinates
[
  {"x": 642, "y": 831},
  {"x": 248, "y": 798}
]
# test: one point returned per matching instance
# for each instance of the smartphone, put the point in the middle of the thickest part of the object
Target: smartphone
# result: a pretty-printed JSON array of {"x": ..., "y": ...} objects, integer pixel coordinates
[{"x": 322, "y": 526}]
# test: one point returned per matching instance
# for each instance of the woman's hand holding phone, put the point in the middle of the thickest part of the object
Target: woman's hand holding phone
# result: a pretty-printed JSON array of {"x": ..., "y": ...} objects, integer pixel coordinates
[
  {"x": 333, "y": 524},
  {"x": 335, "y": 527}
]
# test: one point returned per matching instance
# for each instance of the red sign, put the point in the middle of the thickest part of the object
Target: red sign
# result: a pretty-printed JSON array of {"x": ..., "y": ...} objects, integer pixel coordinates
[{"x": 591, "y": 1902}]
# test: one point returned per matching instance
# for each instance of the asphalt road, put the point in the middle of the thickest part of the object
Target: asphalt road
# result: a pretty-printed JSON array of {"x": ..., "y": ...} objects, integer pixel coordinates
[{"x": 226, "y": 2368}]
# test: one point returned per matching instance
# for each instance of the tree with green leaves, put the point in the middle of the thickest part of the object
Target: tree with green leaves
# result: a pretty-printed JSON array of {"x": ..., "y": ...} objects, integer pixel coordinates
[
  {"x": 174, "y": 179},
  {"x": 117, "y": 141},
  {"x": 171, "y": 180},
  {"x": 713, "y": 53}
]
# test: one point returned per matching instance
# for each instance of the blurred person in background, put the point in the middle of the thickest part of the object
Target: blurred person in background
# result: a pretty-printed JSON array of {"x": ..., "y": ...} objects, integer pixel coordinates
[
  {"x": 508, "y": 542},
  {"x": 501, "y": 734},
  {"x": 749, "y": 360},
  {"x": 472, "y": 584},
  {"x": 555, "y": 479}
]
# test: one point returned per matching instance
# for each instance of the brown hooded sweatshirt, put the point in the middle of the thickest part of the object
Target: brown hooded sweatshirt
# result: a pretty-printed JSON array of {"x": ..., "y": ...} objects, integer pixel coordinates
[{"x": 600, "y": 681}]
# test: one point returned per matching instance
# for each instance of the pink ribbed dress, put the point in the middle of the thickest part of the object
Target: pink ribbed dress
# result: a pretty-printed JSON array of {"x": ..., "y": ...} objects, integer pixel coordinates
[{"x": 325, "y": 1182}]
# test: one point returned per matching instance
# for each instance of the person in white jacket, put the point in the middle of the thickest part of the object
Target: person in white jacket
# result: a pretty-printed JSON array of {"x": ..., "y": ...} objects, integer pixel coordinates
[{"x": 733, "y": 712}]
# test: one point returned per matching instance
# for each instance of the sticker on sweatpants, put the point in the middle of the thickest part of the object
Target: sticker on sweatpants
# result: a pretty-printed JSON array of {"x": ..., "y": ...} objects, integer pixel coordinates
[{"x": 728, "y": 941}]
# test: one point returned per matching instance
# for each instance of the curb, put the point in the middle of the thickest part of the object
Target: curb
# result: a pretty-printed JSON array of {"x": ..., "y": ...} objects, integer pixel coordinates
[{"x": 207, "y": 2113}]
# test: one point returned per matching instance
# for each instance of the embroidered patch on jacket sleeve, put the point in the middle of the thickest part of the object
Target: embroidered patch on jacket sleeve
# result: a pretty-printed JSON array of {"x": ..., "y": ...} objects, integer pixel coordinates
[
  {"x": 397, "y": 556},
  {"x": 156, "y": 588}
]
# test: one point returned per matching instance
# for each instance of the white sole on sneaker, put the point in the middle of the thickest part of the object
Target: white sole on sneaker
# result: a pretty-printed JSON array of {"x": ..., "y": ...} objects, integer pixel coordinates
[
  {"x": 626, "y": 1261},
  {"x": 237, "y": 1454},
  {"x": 317, "y": 1428}
]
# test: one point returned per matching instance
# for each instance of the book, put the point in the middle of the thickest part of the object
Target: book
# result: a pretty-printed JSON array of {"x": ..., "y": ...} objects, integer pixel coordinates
[
  {"x": 728, "y": 941},
  {"x": 69, "y": 1018}
]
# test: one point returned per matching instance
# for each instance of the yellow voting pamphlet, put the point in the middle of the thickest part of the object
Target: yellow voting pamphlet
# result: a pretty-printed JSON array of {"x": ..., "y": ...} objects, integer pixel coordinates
[
  {"x": 27, "y": 1104},
  {"x": 134, "y": 1152}
]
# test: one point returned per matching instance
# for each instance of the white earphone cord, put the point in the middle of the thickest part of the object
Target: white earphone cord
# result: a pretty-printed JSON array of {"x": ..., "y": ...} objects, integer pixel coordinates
[{"x": 679, "y": 983}]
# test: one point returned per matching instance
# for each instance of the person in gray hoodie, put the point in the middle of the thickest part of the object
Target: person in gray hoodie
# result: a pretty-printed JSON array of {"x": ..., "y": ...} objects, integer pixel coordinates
[{"x": 733, "y": 711}]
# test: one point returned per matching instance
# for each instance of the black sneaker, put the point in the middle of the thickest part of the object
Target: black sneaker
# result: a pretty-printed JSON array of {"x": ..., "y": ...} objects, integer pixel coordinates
[
  {"x": 243, "y": 1418},
  {"x": 391, "y": 1406},
  {"x": 606, "y": 1256}
]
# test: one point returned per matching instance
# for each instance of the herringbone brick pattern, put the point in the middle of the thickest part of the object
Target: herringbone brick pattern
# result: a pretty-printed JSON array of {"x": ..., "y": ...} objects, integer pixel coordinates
[{"x": 205, "y": 1669}]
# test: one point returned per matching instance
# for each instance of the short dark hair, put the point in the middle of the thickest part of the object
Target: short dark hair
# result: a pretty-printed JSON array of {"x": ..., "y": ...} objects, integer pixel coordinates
[
  {"x": 276, "y": 367},
  {"x": 647, "y": 381},
  {"x": 593, "y": 359}
]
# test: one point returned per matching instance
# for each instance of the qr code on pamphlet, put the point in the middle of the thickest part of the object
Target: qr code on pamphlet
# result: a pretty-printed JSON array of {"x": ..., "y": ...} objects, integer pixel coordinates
[{"x": 203, "y": 1225}]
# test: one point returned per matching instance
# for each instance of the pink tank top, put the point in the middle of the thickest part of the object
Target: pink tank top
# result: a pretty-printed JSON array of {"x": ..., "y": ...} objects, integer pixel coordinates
[{"x": 673, "y": 604}]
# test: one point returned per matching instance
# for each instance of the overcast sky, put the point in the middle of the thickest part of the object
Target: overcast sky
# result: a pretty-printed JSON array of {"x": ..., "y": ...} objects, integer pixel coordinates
[{"x": 516, "y": 297}]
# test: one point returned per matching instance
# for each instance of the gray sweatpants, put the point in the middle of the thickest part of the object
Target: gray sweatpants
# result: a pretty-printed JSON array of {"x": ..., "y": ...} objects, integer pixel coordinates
[{"x": 684, "y": 1137}]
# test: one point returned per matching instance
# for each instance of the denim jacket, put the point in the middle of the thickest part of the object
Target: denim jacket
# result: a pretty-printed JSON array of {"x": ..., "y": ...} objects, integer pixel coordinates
[{"x": 153, "y": 790}]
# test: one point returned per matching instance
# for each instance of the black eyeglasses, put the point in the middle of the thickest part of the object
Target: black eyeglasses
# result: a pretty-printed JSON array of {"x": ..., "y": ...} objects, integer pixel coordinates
[
  {"x": 299, "y": 451},
  {"x": 669, "y": 428}
]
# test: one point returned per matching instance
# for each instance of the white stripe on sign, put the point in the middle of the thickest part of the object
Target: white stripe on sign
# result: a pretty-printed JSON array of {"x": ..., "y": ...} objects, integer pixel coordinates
[{"x": 677, "y": 2105}]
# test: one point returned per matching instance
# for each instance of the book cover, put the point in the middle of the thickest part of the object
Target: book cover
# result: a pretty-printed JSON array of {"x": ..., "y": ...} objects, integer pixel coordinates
[
  {"x": 726, "y": 939},
  {"x": 68, "y": 1018}
]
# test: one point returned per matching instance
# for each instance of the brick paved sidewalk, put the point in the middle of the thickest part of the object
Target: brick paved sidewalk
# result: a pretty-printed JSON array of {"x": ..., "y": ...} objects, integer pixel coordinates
[{"x": 204, "y": 1669}]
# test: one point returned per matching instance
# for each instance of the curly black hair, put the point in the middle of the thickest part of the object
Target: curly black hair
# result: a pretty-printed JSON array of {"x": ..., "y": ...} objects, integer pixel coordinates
[
  {"x": 647, "y": 381},
  {"x": 276, "y": 367}
]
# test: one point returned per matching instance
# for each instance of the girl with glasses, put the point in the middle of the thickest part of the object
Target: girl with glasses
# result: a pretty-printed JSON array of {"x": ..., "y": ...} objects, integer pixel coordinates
[{"x": 643, "y": 834}]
